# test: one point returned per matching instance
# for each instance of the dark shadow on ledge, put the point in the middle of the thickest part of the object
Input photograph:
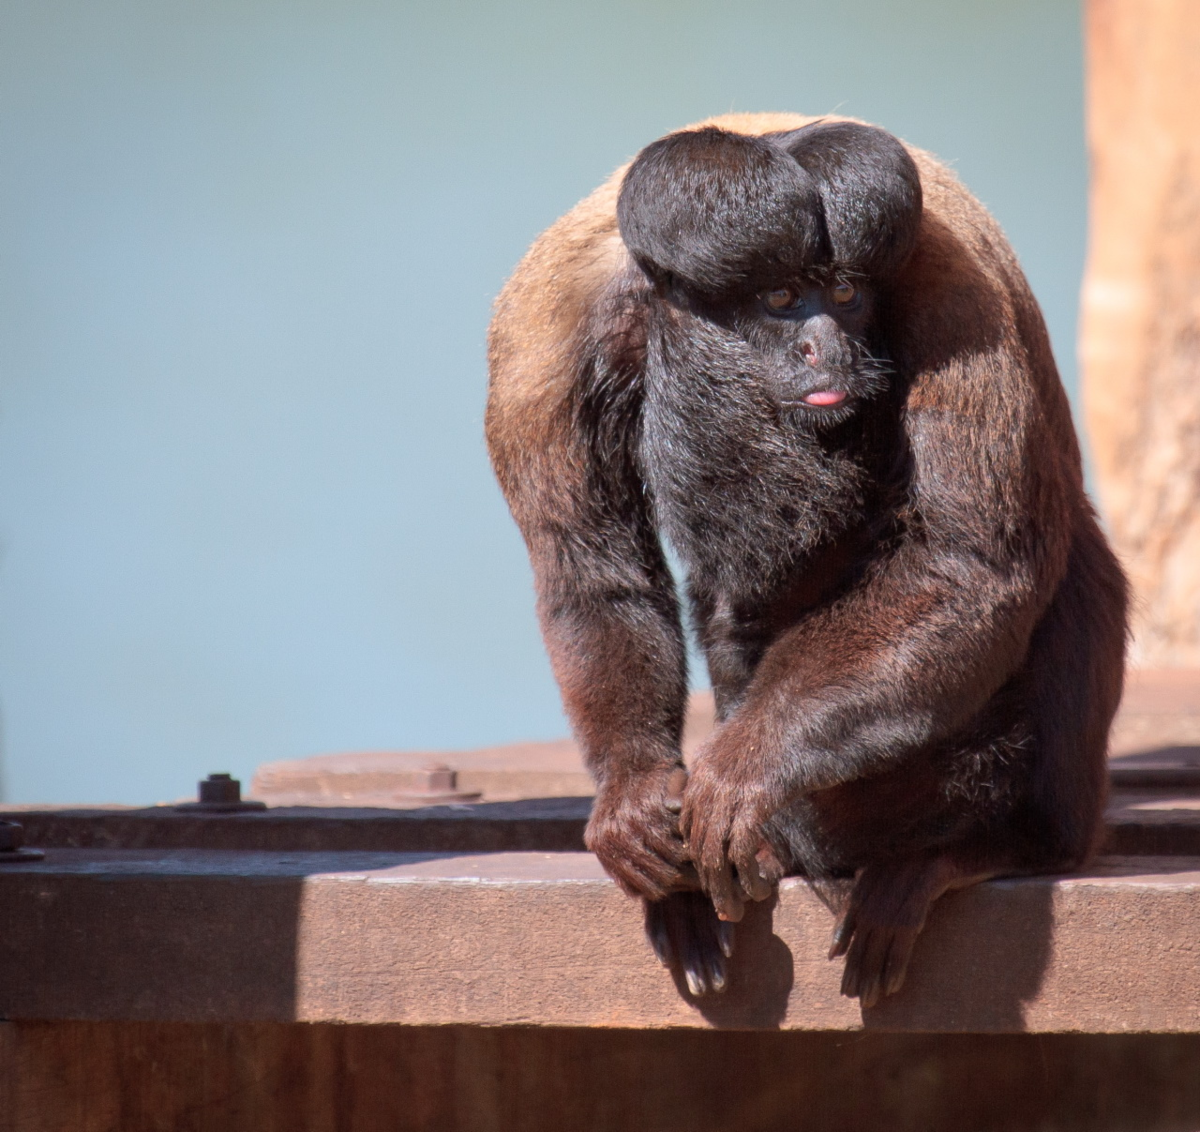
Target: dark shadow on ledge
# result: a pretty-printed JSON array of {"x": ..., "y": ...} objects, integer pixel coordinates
[
  {"x": 761, "y": 973},
  {"x": 1175, "y": 767},
  {"x": 982, "y": 956}
]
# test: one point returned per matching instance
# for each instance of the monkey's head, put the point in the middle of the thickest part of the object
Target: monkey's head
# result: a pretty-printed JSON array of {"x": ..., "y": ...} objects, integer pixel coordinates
[{"x": 787, "y": 242}]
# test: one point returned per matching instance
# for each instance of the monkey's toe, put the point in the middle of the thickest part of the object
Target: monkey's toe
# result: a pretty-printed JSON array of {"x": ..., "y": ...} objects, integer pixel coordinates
[
  {"x": 877, "y": 962},
  {"x": 691, "y": 941},
  {"x": 885, "y": 913}
]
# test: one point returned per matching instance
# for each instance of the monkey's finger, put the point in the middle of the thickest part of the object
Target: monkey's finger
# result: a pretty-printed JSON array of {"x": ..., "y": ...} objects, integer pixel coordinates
[
  {"x": 864, "y": 966},
  {"x": 748, "y": 877},
  {"x": 691, "y": 953},
  {"x": 689, "y": 878},
  {"x": 701, "y": 803},
  {"x": 715, "y": 970},
  {"x": 870, "y": 988},
  {"x": 714, "y": 873},
  {"x": 670, "y": 856},
  {"x": 852, "y": 974},
  {"x": 843, "y": 933},
  {"x": 722, "y": 892},
  {"x": 687, "y": 815},
  {"x": 895, "y": 967},
  {"x": 707, "y": 846},
  {"x": 753, "y": 878},
  {"x": 676, "y": 783},
  {"x": 769, "y": 864},
  {"x": 870, "y": 978},
  {"x": 663, "y": 853},
  {"x": 638, "y": 884},
  {"x": 709, "y": 956},
  {"x": 656, "y": 931},
  {"x": 644, "y": 875},
  {"x": 694, "y": 977},
  {"x": 748, "y": 885},
  {"x": 744, "y": 873},
  {"x": 658, "y": 853}
]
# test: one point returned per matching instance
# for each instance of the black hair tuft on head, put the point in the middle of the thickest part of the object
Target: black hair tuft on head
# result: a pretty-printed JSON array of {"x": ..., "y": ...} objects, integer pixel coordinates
[
  {"x": 870, "y": 189},
  {"x": 725, "y": 213},
  {"x": 721, "y": 212}
]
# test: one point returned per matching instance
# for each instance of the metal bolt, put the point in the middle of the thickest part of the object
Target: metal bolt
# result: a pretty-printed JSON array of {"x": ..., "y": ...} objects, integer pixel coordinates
[
  {"x": 220, "y": 788},
  {"x": 435, "y": 783},
  {"x": 221, "y": 793},
  {"x": 12, "y": 845},
  {"x": 436, "y": 778}
]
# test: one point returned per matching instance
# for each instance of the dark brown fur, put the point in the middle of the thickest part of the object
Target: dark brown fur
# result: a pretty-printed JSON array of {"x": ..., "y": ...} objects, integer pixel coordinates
[{"x": 913, "y": 625}]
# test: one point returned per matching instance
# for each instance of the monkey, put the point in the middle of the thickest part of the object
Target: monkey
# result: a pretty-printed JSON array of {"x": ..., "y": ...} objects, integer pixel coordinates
[{"x": 798, "y": 352}]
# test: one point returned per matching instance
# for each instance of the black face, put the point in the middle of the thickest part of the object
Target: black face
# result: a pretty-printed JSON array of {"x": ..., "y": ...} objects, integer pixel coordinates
[{"x": 812, "y": 339}]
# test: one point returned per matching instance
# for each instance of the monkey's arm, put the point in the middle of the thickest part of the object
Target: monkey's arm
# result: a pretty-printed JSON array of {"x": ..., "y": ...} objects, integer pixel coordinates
[
  {"x": 609, "y": 616},
  {"x": 905, "y": 659},
  {"x": 561, "y": 424}
]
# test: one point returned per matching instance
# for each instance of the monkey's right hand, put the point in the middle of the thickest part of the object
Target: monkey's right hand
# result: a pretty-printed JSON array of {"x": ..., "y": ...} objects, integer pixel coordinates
[{"x": 634, "y": 830}]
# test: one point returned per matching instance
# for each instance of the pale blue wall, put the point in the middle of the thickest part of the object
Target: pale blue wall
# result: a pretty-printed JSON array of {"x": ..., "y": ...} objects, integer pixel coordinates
[{"x": 247, "y": 251}]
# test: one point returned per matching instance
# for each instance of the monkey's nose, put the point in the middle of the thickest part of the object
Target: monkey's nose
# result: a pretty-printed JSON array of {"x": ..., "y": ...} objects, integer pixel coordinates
[{"x": 808, "y": 351}]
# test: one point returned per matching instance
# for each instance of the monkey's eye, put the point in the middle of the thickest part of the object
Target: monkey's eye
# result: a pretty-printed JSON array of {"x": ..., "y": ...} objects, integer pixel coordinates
[
  {"x": 782, "y": 299},
  {"x": 844, "y": 293}
]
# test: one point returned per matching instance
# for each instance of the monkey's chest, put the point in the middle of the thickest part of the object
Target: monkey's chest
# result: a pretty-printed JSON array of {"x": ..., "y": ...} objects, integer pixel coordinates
[{"x": 744, "y": 499}]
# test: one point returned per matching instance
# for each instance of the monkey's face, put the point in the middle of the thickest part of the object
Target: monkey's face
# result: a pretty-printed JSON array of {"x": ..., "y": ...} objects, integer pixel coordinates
[
  {"x": 795, "y": 356},
  {"x": 811, "y": 339},
  {"x": 768, "y": 256}
]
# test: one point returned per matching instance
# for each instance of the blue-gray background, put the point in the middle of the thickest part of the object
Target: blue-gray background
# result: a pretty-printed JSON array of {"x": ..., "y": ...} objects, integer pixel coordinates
[{"x": 247, "y": 252}]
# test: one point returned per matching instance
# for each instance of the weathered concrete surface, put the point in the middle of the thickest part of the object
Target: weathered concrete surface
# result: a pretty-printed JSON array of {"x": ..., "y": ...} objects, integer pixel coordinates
[
  {"x": 129, "y": 1077},
  {"x": 546, "y": 939},
  {"x": 1140, "y": 327},
  {"x": 517, "y": 770},
  {"x": 1160, "y": 709}
]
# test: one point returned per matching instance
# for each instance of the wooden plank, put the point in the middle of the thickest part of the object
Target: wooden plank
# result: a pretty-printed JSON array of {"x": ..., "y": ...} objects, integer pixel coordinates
[{"x": 135, "y": 1077}]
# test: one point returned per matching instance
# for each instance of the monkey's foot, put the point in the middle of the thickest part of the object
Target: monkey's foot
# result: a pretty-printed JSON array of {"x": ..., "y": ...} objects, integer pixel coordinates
[
  {"x": 886, "y": 911},
  {"x": 689, "y": 939}
]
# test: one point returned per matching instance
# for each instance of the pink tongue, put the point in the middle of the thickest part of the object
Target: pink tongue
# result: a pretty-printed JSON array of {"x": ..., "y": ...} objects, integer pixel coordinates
[{"x": 826, "y": 397}]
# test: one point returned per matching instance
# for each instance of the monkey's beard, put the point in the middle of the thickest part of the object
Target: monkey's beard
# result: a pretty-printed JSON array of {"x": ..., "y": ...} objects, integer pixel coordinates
[{"x": 744, "y": 490}]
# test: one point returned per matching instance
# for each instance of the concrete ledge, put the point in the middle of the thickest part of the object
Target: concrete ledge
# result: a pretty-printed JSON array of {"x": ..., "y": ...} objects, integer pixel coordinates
[
  {"x": 517, "y": 770},
  {"x": 547, "y": 939}
]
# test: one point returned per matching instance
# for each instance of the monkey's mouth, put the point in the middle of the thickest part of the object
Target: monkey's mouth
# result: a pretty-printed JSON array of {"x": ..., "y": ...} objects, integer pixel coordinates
[
  {"x": 824, "y": 398},
  {"x": 817, "y": 399}
]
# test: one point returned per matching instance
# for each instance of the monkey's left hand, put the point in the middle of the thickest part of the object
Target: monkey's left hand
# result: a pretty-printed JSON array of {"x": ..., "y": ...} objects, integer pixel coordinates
[{"x": 724, "y": 810}]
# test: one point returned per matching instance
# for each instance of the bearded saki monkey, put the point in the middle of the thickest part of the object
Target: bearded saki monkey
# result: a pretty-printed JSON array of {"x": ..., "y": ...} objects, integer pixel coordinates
[{"x": 800, "y": 353}]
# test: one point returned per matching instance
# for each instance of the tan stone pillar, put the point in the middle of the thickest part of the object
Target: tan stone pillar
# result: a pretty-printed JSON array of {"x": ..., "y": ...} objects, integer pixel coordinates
[{"x": 1140, "y": 329}]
